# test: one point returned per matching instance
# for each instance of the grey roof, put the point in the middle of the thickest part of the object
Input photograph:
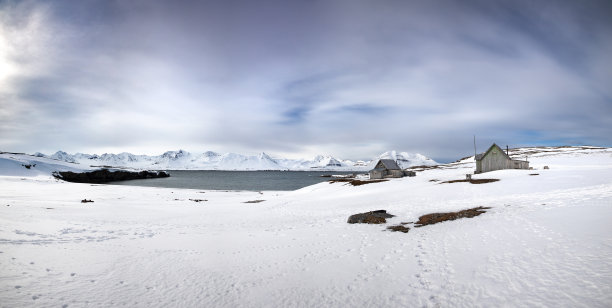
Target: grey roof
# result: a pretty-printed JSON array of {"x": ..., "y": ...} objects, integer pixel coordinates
[{"x": 390, "y": 164}]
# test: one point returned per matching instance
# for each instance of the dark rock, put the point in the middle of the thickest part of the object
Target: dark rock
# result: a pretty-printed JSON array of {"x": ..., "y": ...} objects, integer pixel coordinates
[
  {"x": 105, "y": 175},
  {"x": 86, "y": 201},
  {"x": 373, "y": 217},
  {"x": 355, "y": 182},
  {"x": 399, "y": 228},
  {"x": 472, "y": 181}
]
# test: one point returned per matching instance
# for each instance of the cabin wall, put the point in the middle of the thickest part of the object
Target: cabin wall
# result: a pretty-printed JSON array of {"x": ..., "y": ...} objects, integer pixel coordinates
[
  {"x": 494, "y": 160},
  {"x": 478, "y": 167},
  {"x": 409, "y": 173},
  {"x": 376, "y": 174},
  {"x": 395, "y": 173},
  {"x": 518, "y": 164}
]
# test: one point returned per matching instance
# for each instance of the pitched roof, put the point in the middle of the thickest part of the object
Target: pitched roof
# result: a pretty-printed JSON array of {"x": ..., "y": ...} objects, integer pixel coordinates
[
  {"x": 389, "y": 164},
  {"x": 493, "y": 146}
]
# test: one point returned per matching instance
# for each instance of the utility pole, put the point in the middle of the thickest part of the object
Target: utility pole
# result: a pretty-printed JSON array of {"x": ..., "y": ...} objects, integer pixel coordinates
[{"x": 474, "y": 147}]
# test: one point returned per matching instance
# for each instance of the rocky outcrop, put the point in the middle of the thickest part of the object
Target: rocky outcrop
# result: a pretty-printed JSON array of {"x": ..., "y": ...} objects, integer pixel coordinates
[
  {"x": 373, "y": 217},
  {"x": 106, "y": 175}
]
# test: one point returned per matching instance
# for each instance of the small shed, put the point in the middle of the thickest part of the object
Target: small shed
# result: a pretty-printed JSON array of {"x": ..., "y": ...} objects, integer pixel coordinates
[
  {"x": 496, "y": 159},
  {"x": 386, "y": 168}
]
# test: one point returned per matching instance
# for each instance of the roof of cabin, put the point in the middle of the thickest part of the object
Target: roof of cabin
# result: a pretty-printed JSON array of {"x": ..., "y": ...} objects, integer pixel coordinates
[
  {"x": 390, "y": 164},
  {"x": 481, "y": 156}
]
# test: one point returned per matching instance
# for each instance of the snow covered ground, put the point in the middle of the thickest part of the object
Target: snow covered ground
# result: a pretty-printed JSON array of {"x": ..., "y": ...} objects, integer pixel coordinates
[{"x": 547, "y": 241}]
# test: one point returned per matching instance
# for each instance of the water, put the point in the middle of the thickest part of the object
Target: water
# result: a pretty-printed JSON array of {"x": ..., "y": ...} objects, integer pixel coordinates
[{"x": 235, "y": 180}]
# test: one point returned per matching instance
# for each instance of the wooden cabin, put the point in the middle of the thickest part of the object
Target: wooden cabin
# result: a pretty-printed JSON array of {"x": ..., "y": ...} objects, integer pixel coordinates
[
  {"x": 496, "y": 159},
  {"x": 386, "y": 168}
]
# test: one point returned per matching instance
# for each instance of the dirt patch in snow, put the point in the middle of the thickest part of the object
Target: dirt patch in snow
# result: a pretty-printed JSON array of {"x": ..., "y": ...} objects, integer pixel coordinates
[
  {"x": 425, "y": 167},
  {"x": 435, "y": 218},
  {"x": 373, "y": 217},
  {"x": 254, "y": 201},
  {"x": 472, "y": 181},
  {"x": 398, "y": 228},
  {"x": 356, "y": 182}
]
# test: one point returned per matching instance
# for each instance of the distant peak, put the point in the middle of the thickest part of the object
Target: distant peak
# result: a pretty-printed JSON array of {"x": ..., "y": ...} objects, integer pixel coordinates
[{"x": 210, "y": 154}]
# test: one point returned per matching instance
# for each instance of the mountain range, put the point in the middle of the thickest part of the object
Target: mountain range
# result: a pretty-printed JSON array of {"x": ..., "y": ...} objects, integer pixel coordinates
[{"x": 183, "y": 160}]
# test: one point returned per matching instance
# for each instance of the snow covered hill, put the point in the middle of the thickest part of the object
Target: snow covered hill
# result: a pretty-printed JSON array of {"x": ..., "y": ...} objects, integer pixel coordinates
[
  {"x": 546, "y": 241},
  {"x": 18, "y": 164},
  {"x": 183, "y": 160}
]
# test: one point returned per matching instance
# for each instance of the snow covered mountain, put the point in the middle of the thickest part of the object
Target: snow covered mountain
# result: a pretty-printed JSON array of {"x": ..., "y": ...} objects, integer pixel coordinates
[
  {"x": 405, "y": 159},
  {"x": 183, "y": 160}
]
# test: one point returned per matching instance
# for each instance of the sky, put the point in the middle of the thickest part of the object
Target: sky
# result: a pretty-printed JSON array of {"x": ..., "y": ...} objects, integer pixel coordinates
[{"x": 298, "y": 78}]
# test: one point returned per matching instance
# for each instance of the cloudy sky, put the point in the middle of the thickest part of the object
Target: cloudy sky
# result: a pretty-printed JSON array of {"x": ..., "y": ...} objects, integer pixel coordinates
[{"x": 298, "y": 78}]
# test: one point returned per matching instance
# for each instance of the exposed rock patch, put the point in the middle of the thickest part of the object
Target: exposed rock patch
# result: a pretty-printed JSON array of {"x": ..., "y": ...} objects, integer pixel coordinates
[
  {"x": 398, "y": 228},
  {"x": 356, "y": 182},
  {"x": 105, "y": 175},
  {"x": 373, "y": 217},
  {"x": 472, "y": 181},
  {"x": 435, "y": 218},
  {"x": 86, "y": 201},
  {"x": 254, "y": 201}
]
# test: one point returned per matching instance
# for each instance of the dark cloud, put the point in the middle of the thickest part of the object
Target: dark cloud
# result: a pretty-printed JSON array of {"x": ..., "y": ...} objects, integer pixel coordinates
[{"x": 301, "y": 77}]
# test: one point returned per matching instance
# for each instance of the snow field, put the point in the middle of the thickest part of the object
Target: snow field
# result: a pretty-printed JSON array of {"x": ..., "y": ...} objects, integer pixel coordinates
[{"x": 545, "y": 242}]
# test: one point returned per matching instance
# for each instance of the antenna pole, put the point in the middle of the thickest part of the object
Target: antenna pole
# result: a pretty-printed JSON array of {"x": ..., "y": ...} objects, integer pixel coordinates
[{"x": 474, "y": 147}]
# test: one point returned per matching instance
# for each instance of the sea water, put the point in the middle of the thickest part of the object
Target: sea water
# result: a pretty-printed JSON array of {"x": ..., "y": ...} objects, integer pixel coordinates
[{"x": 236, "y": 180}]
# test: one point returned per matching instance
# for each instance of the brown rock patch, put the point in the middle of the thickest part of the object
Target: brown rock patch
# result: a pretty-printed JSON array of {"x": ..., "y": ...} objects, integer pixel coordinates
[
  {"x": 356, "y": 182},
  {"x": 435, "y": 218},
  {"x": 472, "y": 181},
  {"x": 398, "y": 228},
  {"x": 254, "y": 201}
]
